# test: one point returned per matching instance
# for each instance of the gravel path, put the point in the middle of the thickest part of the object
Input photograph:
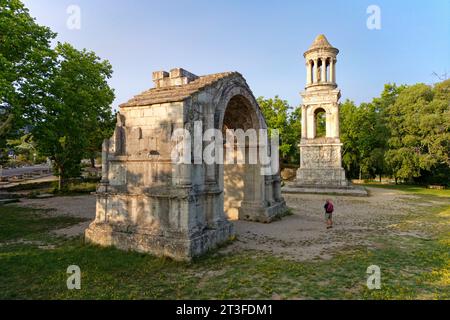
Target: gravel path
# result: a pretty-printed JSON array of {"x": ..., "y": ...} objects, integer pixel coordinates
[
  {"x": 303, "y": 235},
  {"x": 76, "y": 206}
]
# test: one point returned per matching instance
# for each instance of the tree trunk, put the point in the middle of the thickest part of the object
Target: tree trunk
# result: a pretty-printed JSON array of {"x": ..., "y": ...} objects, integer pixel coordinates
[
  {"x": 6, "y": 125},
  {"x": 60, "y": 179},
  {"x": 360, "y": 174},
  {"x": 92, "y": 161}
]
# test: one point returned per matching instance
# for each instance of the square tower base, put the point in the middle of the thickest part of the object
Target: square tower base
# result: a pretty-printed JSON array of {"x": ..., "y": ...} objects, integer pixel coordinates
[
  {"x": 350, "y": 190},
  {"x": 321, "y": 172}
]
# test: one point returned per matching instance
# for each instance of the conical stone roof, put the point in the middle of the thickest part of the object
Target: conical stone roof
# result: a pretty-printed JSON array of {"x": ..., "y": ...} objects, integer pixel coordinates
[{"x": 320, "y": 42}]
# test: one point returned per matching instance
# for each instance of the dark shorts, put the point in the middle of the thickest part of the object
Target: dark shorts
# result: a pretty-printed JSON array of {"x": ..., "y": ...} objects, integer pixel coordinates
[{"x": 328, "y": 216}]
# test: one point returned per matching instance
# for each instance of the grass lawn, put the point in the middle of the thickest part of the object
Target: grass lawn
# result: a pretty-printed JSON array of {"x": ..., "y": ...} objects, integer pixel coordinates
[
  {"x": 411, "y": 189},
  {"x": 33, "y": 265}
]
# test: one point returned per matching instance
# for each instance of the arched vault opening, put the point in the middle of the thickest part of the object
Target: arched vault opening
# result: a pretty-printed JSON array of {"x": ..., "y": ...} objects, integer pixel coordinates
[{"x": 241, "y": 177}]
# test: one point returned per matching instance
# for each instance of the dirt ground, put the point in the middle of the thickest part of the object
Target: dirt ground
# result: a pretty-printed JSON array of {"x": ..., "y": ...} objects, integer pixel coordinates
[{"x": 301, "y": 236}]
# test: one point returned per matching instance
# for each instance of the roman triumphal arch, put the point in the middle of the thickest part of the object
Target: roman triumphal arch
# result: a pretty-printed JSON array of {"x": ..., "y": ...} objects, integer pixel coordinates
[{"x": 160, "y": 193}]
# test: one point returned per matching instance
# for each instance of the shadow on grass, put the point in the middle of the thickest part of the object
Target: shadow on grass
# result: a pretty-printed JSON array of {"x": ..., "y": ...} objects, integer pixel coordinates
[{"x": 410, "y": 267}]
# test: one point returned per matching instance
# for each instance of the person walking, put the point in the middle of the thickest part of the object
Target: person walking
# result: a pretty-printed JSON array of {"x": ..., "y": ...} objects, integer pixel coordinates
[{"x": 329, "y": 208}]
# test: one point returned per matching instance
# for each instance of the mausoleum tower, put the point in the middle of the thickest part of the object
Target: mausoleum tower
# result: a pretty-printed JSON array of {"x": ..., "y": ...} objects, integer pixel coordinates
[{"x": 320, "y": 146}]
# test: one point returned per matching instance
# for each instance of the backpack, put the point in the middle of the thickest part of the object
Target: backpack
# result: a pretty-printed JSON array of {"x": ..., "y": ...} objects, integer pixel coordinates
[{"x": 329, "y": 208}]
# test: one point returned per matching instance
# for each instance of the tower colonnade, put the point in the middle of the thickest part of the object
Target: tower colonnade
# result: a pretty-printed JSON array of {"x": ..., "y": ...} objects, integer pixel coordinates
[{"x": 316, "y": 73}]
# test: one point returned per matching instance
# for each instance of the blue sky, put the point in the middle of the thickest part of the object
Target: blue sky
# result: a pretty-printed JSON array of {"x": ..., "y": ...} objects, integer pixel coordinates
[{"x": 263, "y": 40}]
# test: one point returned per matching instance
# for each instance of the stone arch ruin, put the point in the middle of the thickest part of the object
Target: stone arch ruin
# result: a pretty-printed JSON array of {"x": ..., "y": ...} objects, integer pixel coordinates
[{"x": 149, "y": 203}]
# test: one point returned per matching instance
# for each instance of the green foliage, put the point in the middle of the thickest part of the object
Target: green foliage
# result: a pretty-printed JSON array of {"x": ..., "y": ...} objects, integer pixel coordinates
[
  {"x": 321, "y": 121},
  {"x": 419, "y": 124},
  {"x": 415, "y": 189},
  {"x": 293, "y": 135},
  {"x": 25, "y": 148},
  {"x": 276, "y": 113},
  {"x": 403, "y": 133},
  {"x": 364, "y": 135},
  {"x": 62, "y": 92},
  {"x": 79, "y": 102},
  {"x": 26, "y": 62},
  {"x": 99, "y": 129},
  {"x": 349, "y": 137},
  {"x": 76, "y": 187}
]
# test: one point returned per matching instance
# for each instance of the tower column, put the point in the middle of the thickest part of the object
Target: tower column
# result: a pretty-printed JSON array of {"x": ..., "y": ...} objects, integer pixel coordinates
[
  {"x": 316, "y": 70},
  {"x": 333, "y": 78},
  {"x": 337, "y": 124},
  {"x": 323, "y": 77},
  {"x": 332, "y": 70},
  {"x": 308, "y": 73},
  {"x": 304, "y": 128}
]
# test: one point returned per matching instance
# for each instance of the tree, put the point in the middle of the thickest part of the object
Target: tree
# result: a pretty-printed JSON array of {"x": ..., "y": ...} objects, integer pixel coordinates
[
  {"x": 371, "y": 140},
  {"x": 382, "y": 132},
  {"x": 321, "y": 123},
  {"x": 293, "y": 135},
  {"x": 79, "y": 102},
  {"x": 419, "y": 126},
  {"x": 364, "y": 137},
  {"x": 26, "y": 62},
  {"x": 24, "y": 147},
  {"x": 349, "y": 137},
  {"x": 276, "y": 113},
  {"x": 100, "y": 129},
  {"x": 5, "y": 126}
]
